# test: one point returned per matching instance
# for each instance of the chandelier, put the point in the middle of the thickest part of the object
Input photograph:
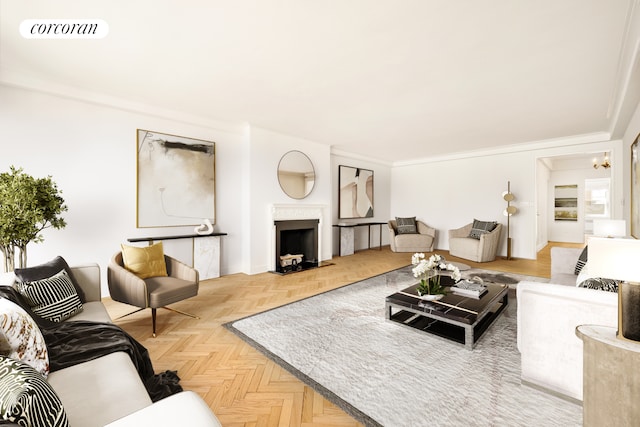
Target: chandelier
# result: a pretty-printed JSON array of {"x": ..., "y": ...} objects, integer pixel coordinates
[{"x": 605, "y": 162}]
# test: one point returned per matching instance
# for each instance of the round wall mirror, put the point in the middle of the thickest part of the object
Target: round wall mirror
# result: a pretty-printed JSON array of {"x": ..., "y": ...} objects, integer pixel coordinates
[{"x": 296, "y": 174}]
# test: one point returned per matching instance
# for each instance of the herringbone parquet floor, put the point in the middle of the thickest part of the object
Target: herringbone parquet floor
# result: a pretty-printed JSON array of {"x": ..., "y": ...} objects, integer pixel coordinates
[{"x": 243, "y": 387}]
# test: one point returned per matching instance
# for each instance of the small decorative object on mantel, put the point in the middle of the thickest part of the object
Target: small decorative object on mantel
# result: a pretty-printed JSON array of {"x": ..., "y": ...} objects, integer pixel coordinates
[
  {"x": 205, "y": 228},
  {"x": 428, "y": 271}
]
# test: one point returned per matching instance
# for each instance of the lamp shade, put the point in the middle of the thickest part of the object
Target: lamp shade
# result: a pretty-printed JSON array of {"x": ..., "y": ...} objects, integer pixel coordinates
[
  {"x": 618, "y": 259},
  {"x": 609, "y": 227}
]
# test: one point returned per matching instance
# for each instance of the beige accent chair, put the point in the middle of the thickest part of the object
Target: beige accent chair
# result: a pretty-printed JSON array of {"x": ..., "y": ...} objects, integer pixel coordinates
[
  {"x": 181, "y": 283},
  {"x": 483, "y": 250},
  {"x": 421, "y": 242}
]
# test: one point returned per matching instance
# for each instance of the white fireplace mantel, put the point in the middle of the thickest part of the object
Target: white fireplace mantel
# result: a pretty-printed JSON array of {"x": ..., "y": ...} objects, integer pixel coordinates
[{"x": 284, "y": 212}]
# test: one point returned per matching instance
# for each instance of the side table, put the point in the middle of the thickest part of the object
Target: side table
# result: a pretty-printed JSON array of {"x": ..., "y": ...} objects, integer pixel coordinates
[
  {"x": 611, "y": 380},
  {"x": 347, "y": 240}
]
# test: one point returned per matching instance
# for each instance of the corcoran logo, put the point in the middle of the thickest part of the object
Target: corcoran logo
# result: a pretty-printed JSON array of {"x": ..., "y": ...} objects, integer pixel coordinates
[{"x": 64, "y": 28}]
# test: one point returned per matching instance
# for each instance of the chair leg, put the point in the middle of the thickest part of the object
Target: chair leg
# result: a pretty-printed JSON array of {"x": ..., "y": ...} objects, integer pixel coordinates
[
  {"x": 129, "y": 314},
  {"x": 181, "y": 312},
  {"x": 153, "y": 316},
  {"x": 153, "y": 321}
]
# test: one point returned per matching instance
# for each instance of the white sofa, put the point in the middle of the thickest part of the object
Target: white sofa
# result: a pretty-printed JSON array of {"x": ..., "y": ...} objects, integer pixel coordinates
[
  {"x": 109, "y": 389},
  {"x": 548, "y": 314}
]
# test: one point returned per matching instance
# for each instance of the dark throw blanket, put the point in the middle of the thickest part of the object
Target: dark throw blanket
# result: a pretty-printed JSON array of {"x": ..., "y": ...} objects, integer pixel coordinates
[{"x": 74, "y": 342}]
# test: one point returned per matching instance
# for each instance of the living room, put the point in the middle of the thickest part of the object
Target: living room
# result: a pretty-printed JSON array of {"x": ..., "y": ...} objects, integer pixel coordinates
[{"x": 54, "y": 122}]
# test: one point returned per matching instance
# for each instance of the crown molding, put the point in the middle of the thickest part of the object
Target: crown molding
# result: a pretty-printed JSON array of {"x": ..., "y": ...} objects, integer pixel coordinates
[
  {"x": 12, "y": 78},
  {"x": 515, "y": 148}
]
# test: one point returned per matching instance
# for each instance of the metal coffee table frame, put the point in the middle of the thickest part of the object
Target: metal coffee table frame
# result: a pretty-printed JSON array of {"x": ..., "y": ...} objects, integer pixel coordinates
[{"x": 458, "y": 318}]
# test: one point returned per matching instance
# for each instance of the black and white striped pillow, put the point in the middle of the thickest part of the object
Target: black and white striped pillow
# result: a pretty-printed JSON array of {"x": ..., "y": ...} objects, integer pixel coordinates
[
  {"x": 54, "y": 298},
  {"x": 26, "y": 398},
  {"x": 582, "y": 260}
]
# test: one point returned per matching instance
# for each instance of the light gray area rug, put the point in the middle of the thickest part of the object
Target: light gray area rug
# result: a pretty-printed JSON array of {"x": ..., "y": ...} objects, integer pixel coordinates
[{"x": 382, "y": 373}]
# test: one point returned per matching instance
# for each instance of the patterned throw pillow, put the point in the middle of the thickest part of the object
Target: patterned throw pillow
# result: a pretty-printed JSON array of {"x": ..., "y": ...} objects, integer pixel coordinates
[
  {"x": 406, "y": 225},
  {"x": 481, "y": 227},
  {"x": 600, "y": 284},
  {"x": 582, "y": 260},
  {"x": 26, "y": 398},
  {"x": 48, "y": 269},
  {"x": 54, "y": 298},
  {"x": 20, "y": 337}
]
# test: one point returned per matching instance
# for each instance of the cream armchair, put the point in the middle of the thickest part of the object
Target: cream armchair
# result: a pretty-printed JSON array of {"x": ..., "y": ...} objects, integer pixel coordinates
[
  {"x": 478, "y": 250},
  {"x": 181, "y": 283},
  {"x": 423, "y": 241}
]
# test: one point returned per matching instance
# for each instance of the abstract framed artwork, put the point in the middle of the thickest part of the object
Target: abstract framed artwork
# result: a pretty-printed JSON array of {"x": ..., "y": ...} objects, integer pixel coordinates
[
  {"x": 635, "y": 189},
  {"x": 355, "y": 199},
  {"x": 566, "y": 203},
  {"x": 175, "y": 180}
]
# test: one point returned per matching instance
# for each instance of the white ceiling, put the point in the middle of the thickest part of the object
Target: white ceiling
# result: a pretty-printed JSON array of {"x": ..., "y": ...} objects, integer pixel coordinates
[{"x": 389, "y": 80}]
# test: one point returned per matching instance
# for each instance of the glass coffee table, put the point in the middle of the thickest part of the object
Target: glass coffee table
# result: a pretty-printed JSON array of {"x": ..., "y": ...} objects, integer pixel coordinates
[{"x": 459, "y": 318}]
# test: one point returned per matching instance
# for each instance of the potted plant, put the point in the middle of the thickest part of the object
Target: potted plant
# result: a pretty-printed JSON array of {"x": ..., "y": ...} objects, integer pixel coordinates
[
  {"x": 28, "y": 205},
  {"x": 428, "y": 271}
]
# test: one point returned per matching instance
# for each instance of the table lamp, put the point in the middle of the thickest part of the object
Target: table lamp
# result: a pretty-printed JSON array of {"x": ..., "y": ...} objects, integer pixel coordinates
[
  {"x": 618, "y": 259},
  {"x": 609, "y": 227}
]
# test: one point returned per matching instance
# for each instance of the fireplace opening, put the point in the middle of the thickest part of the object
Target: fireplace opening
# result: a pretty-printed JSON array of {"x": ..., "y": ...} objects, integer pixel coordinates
[{"x": 296, "y": 245}]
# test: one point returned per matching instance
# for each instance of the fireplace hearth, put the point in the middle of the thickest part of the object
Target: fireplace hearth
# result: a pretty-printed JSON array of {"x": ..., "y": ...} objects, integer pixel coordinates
[{"x": 296, "y": 237}]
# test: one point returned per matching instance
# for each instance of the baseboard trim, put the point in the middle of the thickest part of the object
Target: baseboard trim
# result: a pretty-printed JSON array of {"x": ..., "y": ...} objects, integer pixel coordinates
[{"x": 551, "y": 391}]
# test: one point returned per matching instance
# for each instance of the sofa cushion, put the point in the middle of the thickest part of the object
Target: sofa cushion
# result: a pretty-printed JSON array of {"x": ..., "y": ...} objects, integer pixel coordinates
[
  {"x": 93, "y": 311},
  {"x": 406, "y": 225},
  {"x": 145, "y": 261},
  {"x": 111, "y": 381},
  {"x": 26, "y": 398},
  {"x": 582, "y": 260},
  {"x": 481, "y": 227},
  {"x": 54, "y": 298},
  {"x": 46, "y": 270},
  {"x": 601, "y": 284},
  {"x": 20, "y": 337}
]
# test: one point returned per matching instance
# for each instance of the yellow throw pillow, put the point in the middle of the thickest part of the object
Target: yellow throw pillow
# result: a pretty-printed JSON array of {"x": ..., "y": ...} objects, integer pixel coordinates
[{"x": 146, "y": 261}]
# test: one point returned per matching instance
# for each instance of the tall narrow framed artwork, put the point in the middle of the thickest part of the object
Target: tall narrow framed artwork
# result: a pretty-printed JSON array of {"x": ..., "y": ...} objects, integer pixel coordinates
[
  {"x": 175, "y": 180},
  {"x": 355, "y": 199},
  {"x": 635, "y": 189},
  {"x": 566, "y": 203}
]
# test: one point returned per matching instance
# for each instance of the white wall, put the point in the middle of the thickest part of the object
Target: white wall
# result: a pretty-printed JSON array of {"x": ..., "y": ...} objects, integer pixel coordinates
[
  {"x": 449, "y": 193},
  {"x": 90, "y": 151},
  {"x": 542, "y": 203},
  {"x": 266, "y": 148},
  {"x": 381, "y": 202},
  {"x": 573, "y": 231}
]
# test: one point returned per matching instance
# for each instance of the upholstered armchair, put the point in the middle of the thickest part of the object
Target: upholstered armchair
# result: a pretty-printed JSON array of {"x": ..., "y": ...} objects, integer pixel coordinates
[
  {"x": 422, "y": 241},
  {"x": 181, "y": 282},
  {"x": 483, "y": 249}
]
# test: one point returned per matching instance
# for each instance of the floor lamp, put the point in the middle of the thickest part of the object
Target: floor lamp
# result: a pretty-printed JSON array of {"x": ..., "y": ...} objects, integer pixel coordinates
[{"x": 510, "y": 210}]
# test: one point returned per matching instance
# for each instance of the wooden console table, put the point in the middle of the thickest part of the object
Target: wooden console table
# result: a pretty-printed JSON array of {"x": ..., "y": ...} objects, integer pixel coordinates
[
  {"x": 611, "y": 379},
  {"x": 347, "y": 245},
  {"x": 205, "y": 251}
]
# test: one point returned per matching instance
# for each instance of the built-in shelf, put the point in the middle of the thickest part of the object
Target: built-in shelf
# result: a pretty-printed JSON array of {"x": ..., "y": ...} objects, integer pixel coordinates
[{"x": 182, "y": 236}]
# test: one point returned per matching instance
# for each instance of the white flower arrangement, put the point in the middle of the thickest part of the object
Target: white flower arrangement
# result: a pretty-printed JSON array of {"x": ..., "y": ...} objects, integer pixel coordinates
[{"x": 426, "y": 269}]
